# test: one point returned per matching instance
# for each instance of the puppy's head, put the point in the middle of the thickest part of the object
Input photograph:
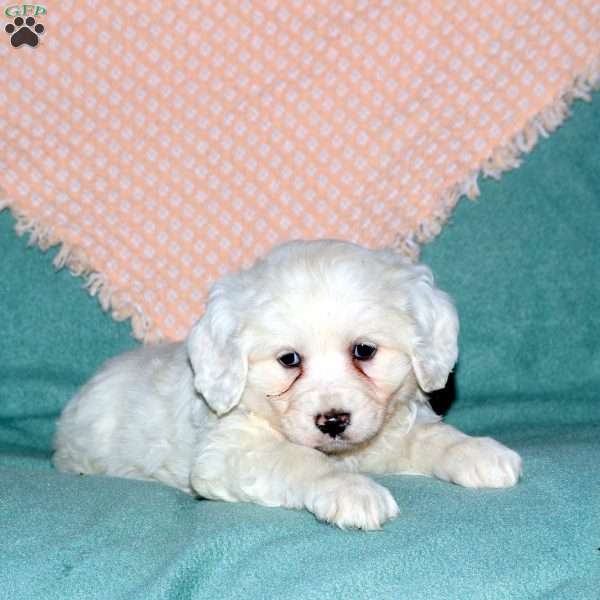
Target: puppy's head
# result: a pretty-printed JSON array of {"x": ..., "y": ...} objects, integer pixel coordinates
[{"x": 323, "y": 339}]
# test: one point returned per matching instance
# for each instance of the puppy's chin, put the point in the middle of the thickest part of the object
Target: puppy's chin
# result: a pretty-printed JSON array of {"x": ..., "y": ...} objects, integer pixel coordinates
[
  {"x": 323, "y": 443},
  {"x": 336, "y": 446}
]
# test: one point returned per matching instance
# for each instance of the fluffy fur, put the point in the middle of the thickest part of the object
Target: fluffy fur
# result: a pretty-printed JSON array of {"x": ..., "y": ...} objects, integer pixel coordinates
[{"x": 219, "y": 416}]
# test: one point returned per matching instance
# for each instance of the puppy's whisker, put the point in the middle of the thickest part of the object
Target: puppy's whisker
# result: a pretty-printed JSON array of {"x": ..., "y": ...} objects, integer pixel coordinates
[{"x": 287, "y": 389}]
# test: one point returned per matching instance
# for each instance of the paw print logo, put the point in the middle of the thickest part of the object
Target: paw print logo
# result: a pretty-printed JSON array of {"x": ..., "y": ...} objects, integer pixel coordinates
[{"x": 24, "y": 32}]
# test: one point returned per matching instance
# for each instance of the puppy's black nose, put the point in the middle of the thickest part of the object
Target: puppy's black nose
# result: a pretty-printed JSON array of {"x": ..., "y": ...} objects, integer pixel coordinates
[{"x": 333, "y": 423}]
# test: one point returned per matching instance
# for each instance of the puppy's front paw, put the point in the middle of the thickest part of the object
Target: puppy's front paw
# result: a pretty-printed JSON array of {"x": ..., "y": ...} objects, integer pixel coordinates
[
  {"x": 349, "y": 500},
  {"x": 480, "y": 463}
]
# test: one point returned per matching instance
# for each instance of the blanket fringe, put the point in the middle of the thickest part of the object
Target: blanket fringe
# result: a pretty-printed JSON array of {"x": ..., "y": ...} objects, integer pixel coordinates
[
  {"x": 504, "y": 158},
  {"x": 77, "y": 262}
]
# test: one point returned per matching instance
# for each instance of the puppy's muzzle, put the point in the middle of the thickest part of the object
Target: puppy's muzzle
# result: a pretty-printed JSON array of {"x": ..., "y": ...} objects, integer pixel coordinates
[{"x": 333, "y": 423}]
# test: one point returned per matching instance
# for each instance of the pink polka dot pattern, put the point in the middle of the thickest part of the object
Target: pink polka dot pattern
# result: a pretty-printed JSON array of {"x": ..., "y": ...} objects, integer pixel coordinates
[{"x": 166, "y": 143}]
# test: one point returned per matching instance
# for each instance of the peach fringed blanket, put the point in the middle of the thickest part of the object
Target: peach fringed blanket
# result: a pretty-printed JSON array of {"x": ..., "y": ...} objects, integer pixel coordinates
[{"x": 164, "y": 143}]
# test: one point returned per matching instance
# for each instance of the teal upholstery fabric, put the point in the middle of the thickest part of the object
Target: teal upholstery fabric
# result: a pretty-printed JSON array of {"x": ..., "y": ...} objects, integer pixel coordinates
[{"x": 522, "y": 263}]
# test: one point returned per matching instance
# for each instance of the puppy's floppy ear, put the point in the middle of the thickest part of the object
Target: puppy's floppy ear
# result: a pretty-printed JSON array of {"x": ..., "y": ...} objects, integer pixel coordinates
[
  {"x": 216, "y": 354},
  {"x": 435, "y": 347}
]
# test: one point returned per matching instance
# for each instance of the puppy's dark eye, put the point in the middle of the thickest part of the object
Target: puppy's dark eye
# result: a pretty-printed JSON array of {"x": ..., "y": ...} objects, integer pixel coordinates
[
  {"x": 363, "y": 351},
  {"x": 290, "y": 360}
]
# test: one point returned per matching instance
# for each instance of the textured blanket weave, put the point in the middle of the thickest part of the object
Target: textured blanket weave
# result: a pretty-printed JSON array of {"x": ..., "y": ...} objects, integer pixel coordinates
[{"x": 165, "y": 143}]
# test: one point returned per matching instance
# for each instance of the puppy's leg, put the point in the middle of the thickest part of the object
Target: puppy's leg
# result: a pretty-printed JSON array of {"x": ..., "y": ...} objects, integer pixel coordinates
[
  {"x": 442, "y": 451},
  {"x": 245, "y": 460}
]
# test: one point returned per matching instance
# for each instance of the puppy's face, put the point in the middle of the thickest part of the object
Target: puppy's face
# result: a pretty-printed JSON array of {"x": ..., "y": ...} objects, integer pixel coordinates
[
  {"x": 324, "y": 366},
  {"x": 322, "y": 339}
]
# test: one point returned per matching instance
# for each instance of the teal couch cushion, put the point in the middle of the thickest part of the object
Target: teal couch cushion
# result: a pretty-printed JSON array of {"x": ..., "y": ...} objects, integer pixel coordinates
[{"x": 522, "y": 264}]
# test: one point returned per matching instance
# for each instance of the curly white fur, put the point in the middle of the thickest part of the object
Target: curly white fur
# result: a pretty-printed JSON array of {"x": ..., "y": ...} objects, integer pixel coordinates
[{"x": 219, "y": 416}]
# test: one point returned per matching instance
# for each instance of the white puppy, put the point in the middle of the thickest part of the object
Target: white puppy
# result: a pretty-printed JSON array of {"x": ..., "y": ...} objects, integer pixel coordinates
[{"x": 305, "y": 371}]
